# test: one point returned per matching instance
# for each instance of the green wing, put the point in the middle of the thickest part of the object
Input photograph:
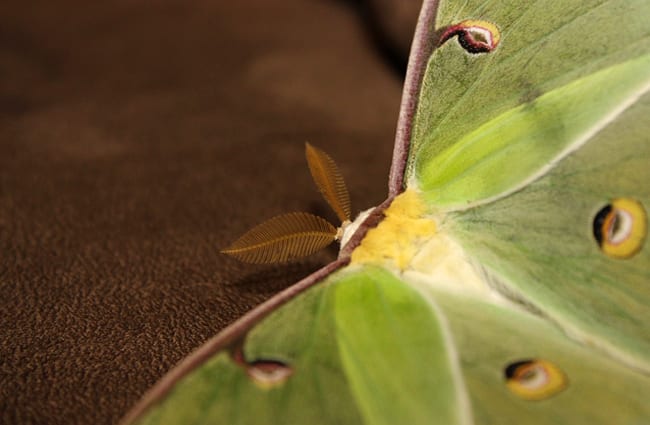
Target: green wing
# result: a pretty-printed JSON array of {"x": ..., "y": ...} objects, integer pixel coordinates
[
  {"x": 490, "y": 336},
  {"x": 538, "y": 244},
  {"x": 520, "y": 155},
  {"x": 339, "y": 344},
  {"x": 365, "y": 347},
  {"x": 487, "y": 124},
  {"x": 522, "y": 146}
]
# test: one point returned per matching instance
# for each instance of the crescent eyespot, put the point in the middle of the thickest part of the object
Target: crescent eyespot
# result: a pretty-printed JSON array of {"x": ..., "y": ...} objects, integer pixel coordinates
[
  {"x": 268, "y": 373},
  {"x": 265, "y": 373},
  {"x": 474, "y": 36},
  {"x": 534, "y": 379},
  {"x": 620, "y": 228}
]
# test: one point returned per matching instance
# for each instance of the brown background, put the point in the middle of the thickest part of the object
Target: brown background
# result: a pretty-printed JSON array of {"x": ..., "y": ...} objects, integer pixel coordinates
[{"x": 139, "y": 137}]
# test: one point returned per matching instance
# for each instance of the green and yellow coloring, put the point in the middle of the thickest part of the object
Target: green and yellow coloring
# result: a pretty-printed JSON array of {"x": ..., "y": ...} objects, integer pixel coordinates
[
  {"x": 399, "y": 237},
  {"x": 412, "y": 241},
  {"x": 481, "y": 297},
  {"x": 535, "y": 379},
  {"x": 620, "y": 228}
]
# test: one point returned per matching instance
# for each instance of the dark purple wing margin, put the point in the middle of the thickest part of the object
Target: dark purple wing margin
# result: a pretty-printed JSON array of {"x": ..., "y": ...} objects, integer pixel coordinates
[{"x": 421, "y": 48}]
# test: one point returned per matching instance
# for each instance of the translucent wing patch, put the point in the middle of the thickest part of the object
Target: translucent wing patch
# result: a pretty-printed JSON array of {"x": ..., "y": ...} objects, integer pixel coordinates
[
  {"x": 520, "y": 145},
  {"x": 504, "y": 91},
  {"x": 538, "y": 244}
]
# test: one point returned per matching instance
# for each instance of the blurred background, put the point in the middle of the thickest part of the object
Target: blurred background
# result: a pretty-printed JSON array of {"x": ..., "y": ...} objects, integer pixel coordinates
[{"x": 137, "y": 138}]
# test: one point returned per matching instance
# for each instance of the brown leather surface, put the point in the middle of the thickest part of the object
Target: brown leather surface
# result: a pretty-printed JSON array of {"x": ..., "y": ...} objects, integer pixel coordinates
[{"x": 136, "y": 139}]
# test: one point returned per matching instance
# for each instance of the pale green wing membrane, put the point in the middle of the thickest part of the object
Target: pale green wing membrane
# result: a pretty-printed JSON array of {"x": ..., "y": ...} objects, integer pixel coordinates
[
  {"x": 366, "y": 347},
  {"x": 518, "y": 146},
  {"x": 558, "y": 112},
  {"x": 487, "y": 124},
  {"x": 347, "y": 351},
  {"x": 525, "y": 145},
  {"x": 538, "y": 244},
  {"x": 490, "y": 337}
]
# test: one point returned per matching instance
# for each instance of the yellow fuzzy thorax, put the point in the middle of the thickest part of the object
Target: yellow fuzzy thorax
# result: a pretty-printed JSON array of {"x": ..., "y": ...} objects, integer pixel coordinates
[
  {"x": 399, "y": 236},
  {"x": 416, "y": 244}
]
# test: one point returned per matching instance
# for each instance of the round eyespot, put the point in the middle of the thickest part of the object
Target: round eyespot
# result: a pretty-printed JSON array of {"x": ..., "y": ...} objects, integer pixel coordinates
[
  {"x": 473, "y": 35},
  {"x": 620, "y": 228},
  {"x": 534, "y": 379}
]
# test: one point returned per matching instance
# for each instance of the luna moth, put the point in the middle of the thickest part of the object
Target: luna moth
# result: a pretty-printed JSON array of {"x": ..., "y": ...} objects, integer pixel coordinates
[{"x": 506, "y": 279}]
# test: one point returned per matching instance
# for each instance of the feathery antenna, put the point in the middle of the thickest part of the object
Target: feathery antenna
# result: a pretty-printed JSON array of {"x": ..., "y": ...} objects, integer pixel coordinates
[
  {"x": 329, "y": 181},
  {"x": 290, "y": 236},
  {"x": 283, "y": 238}
]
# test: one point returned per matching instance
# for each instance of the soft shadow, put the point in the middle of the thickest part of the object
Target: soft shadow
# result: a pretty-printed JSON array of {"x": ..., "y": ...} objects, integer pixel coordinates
[
  {"x": 271, "y": 279},
  {"x": 387, "y": 43}
]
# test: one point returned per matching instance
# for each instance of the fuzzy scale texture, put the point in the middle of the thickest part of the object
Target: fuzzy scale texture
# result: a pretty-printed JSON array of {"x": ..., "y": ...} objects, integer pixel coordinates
[{"x": 137, "y": 139}]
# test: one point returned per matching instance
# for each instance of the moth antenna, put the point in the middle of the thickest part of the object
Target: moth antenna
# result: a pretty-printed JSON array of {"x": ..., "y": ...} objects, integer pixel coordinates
[
  {"x": 329, "y": 181},
  {"x": 283, "y": 238}
]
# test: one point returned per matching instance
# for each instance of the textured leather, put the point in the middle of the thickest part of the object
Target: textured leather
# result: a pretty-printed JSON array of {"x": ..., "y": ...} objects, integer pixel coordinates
[{"x": 136, "y": 139}]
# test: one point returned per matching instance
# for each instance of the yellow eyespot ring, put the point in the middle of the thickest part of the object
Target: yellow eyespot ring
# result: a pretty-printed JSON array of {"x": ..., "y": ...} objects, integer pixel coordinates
[
  {"x": 620, "y": 228},
  {"x": 534, "y": 379}
]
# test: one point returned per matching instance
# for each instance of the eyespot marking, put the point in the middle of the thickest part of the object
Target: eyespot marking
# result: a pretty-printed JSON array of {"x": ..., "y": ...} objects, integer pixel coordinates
[
  {"x": 268, "y": 373},
  {"x": 264, "y": 373},
  {"x": 474, "y": 36},
  {"x": 620, "y": 228},
  {"x": 534, "y": 379}
]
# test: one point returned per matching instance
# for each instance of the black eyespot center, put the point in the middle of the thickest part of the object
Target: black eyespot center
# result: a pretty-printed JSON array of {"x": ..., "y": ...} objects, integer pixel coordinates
[
  {"x": 599, "y": 222},
  {"x": 510, "y": 371}
]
